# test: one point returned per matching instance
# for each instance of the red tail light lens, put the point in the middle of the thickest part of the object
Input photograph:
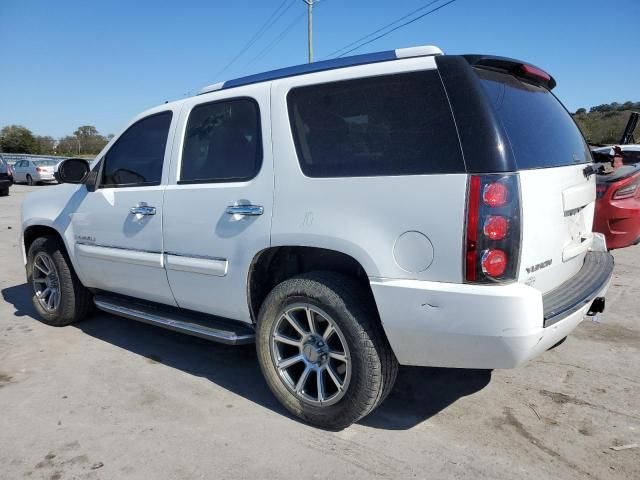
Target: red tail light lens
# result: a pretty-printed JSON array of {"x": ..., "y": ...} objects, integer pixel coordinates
[
  {"x": 39, "y": 169},
  {"x": 494, "y": 262},
  {"x": 492, "y": 228},
  {"x": 495, "y": 194},
  {"x": 627, "y": 191},
  {"x": 495, "y": 227}
]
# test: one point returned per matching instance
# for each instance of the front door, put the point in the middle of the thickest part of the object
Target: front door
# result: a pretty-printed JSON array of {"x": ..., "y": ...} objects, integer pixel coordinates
[
  {"x": 118, "y": 227},
  {"x": 217, "y": 211}
]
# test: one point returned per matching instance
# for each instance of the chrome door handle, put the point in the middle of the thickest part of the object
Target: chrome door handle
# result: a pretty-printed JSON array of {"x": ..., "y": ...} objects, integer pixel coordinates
[
  {"x": 143, "y": 210},
  {"x": 249, "y": 210}
]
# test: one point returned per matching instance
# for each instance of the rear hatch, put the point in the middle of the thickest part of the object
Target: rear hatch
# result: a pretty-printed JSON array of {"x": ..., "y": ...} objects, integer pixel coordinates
[{"x": 557, "y": 197}]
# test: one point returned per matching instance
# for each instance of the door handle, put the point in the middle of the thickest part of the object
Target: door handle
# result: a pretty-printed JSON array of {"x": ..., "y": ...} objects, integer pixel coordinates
[
  {"x": 143, "y": 210},
  {"x": 248, "y": 210}
]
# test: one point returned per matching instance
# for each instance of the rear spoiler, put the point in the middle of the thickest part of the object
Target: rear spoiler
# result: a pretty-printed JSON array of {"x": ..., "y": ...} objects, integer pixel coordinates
[{"x": 515, "y": 67}]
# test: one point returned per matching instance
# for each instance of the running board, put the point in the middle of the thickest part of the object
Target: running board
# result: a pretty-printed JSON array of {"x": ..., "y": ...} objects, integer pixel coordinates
[{"x": 217, "y": 329}]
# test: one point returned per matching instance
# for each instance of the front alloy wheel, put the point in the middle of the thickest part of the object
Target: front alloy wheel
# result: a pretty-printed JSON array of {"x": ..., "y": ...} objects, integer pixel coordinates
[{"x": 46, "y": 282}]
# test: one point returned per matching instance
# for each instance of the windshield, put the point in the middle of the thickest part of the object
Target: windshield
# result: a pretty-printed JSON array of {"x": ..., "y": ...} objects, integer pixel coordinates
[
  {"x": 541, "y": 132},
  {"x": 45, "y": 163}
]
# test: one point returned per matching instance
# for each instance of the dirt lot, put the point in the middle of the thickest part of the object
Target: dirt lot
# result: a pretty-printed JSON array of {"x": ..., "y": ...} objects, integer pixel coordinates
[{"x": 112, "y": 398}]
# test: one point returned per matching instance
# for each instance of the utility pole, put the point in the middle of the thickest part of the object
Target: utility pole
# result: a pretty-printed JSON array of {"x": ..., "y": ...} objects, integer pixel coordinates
[{"x": 310, "y": 26}]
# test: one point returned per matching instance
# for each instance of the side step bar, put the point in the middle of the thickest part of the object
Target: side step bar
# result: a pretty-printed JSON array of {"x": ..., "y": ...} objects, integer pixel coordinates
[{"x": 209, "y": 327}]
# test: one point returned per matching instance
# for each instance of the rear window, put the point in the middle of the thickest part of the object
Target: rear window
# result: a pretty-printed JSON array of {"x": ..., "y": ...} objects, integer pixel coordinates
[
  {"x": 388, "y": 125},
  {"x": 45, "y": 163},
  {"x": 541, "y": 132}
]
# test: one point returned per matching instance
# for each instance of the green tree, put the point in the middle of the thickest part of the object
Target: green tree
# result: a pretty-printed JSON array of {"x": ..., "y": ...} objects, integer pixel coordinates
[
  {"x": 46, "y": 144},
  {"x": 89, "y": 140},
  {"x": 581, "y": 111},
  {"x": 17, "y": 139}
]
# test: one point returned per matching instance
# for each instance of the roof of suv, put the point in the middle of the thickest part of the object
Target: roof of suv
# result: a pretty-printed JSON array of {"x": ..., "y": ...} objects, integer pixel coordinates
[{"x": 388, "y": 55}]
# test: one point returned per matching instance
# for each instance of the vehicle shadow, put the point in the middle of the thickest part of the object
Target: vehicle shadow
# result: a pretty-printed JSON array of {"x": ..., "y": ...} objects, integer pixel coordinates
[{"x": 419, "y": 393}]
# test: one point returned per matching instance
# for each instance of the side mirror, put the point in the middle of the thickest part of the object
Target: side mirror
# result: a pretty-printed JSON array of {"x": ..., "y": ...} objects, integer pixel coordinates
[{"x": 72, "y": 170}]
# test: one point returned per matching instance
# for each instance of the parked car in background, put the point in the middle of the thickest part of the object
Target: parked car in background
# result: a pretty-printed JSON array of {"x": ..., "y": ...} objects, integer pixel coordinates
[
  {"x": 347, "y": 216},
  {"x": 617, "y": 212},
  {"x": 6, "y": 178},
  {"x": 34, "y": 171},
  {"x": 630, "y": 153}
]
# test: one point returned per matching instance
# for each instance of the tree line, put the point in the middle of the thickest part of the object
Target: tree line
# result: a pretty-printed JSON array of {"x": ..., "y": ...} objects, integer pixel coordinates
[
  {"x": 86, "y": 140},
  {"x": 604, "y": 124},
  {"x": 611, "y": 107}
]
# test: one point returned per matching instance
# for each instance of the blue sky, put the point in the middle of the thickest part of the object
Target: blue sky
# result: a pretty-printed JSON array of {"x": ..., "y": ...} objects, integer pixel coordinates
[{"x": 67, "y": 63}]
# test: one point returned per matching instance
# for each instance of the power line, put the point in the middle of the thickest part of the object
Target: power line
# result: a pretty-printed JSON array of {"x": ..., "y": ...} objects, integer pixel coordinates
[
  {"x": 273, "y": 18},
  {"x": 276, "y": 40},
  {"x": 383, "y": 28},
  {"x": 396, "y": 28}
]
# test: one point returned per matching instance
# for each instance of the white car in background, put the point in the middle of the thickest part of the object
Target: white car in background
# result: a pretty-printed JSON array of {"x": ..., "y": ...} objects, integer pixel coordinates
[
  {"x": 33, "y": 171},
  {"x": 631, "y": 152}
]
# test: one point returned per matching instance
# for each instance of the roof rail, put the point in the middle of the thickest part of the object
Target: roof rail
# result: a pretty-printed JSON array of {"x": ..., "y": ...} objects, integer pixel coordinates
[{"x": 421, "y": 51}]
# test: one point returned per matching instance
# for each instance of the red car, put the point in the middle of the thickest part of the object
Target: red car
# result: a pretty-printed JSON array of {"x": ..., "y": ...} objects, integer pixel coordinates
[{"x": 618, "y": 206}]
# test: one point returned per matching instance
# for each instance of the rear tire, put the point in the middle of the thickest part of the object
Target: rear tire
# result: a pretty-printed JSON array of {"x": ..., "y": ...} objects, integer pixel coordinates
[
  {"x": 368, "y": 369},
  {"x": 49, "y": 268},
  {"x": 29, "y": 180},
  {"x": 4, "y": 192}
]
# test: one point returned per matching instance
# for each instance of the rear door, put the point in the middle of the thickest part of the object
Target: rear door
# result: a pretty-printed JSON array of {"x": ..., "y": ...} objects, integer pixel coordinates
[
  {"x": 557, "y": 197},
  {"x": 217, "y": 210}
]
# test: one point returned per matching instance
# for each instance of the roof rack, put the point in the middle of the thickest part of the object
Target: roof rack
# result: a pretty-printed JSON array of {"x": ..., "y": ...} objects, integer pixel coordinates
[{"x": 421, "y": 51}]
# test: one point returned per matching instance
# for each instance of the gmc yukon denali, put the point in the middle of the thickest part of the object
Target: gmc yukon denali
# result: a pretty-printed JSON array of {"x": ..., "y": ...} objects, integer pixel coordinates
[{"x": 347, "y": 216}]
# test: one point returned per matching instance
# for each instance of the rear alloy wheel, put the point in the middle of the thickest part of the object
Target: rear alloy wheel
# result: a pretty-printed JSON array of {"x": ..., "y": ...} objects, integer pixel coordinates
[
  {"x": 322, "y": 349},
  {"x": 30, "y": 180},
  {"x": 311, "y": 355}
]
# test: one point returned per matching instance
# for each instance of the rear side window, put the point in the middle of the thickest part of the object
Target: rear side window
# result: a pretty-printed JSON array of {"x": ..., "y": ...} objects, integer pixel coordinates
[
  {"x": 541, "y": 132},
  {"x": 397, "y": 124},
  {"x": 222, "y": 142},
  {"x": 137, "y": 156}
]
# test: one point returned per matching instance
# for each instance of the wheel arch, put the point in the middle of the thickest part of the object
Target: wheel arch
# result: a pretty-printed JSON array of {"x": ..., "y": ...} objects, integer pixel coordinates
[{"x": 276, "y": 264}]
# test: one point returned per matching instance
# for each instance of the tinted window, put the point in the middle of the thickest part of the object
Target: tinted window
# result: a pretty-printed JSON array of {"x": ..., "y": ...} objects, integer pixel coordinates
[
  {"x": 540, "y": 130},
  {"x": 137, "y": 156},
  {"x": 630, "y": 156},
  {"x": 389, "y": 125},
  {"x": 222, "y": 142},
  {"x": 45, "y": 163}
]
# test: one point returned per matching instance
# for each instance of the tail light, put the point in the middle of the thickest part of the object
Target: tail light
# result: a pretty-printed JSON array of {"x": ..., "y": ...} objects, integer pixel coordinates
[
  {"x": 492, "y": 243},
  {"x": 629, "y": 190},
  {"x": 40, "y": 169}
]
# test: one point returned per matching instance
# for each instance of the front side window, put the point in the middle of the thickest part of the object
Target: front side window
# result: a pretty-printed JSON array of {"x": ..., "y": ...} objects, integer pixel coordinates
[
  {"x": 397, "y": 124},
  {"x": 137, "y": 156},
  {"x": 222, "y": 142}
]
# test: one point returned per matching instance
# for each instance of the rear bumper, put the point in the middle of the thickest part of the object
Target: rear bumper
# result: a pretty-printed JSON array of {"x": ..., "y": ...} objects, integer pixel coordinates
[{"x": 478, "y": 326}]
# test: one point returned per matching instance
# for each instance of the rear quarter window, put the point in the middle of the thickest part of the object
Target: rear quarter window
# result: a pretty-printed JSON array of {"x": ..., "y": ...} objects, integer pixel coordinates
[
  {"x": 397, "y": 124},
  {"x": 541, "y": 132}
]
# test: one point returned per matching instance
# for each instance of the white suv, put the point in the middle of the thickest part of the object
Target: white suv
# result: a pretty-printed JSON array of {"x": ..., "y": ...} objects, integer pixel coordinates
[{"x": 404, "y": 207}]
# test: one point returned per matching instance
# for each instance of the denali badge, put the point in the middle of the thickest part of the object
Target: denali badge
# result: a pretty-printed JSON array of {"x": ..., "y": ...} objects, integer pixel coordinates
[{"x": 539, "y": 266}]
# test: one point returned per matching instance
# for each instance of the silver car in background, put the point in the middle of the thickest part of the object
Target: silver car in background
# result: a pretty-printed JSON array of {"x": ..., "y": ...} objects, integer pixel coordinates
[{"x": 33, "y": 171}]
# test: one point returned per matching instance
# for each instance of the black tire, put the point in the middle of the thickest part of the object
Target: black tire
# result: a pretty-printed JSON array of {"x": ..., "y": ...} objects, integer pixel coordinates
[
  {"x": 30, "y": 180},
  {"x": 76, "y": 302},
  {"x": 373, "y": 365},
  {"x": 4, "y": 192}
]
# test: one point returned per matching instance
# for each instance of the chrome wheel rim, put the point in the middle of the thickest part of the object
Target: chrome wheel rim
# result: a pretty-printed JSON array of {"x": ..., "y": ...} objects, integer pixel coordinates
[
  {"x": 310, "y": 354},
  {"x": 46, "y": 282}
]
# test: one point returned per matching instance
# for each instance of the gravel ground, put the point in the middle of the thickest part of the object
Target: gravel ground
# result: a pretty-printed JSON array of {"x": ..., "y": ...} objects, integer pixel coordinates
[{"x": 112, "y": 398}]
